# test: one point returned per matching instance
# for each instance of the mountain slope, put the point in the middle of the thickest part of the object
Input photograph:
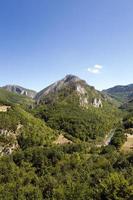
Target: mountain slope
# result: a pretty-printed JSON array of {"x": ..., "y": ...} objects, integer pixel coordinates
[
  {"x": 20, "y": 90},
  {"x": 68, "y": 88},
  {"x": 128, "y": 106},
  {"x": 19, "y": 129},
  {"x": 7, "y": 97},
  {"x": 121, "y": 93},
  {"x": 75, "y": 107}
]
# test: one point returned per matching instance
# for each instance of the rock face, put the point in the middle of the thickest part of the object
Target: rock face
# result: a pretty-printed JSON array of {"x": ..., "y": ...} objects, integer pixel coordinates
[
  {"x": 62, "y": 140},
  {"x": 4, "y": 108},
  {"x": 97, "y": 103},
  {"x": 81, "y": 90},
  {"x": 20, "y": 90},
  {"x": 67, "y": 87},
  {"x": 82, "y": 93},
  {"x": 9, "y": 142}
]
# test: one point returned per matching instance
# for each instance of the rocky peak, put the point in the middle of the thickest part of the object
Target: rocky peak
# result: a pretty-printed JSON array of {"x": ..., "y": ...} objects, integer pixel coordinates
[
  {"x": 70, "y": 85},
  {"x": 4, "y": 108},
  {"x": 69, "y": 80},
  {"x": 81, "y": 90}
]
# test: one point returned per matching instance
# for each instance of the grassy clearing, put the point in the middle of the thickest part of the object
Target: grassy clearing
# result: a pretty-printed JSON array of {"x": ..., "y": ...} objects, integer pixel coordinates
[{"x": 128, "y": 146}]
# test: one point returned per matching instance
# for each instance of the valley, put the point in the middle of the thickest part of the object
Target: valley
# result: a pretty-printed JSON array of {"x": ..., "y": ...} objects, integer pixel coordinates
[
  {"x": 72, "y": 106},
  {"x": 65, "y": 142}
]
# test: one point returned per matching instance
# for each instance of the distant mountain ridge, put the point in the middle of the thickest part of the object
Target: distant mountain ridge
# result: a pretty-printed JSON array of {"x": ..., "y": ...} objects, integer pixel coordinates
[
  {"x": 121, "y": 93},
  {"x": 20, "y": 90},
  {"x": 72, "y": 84}
]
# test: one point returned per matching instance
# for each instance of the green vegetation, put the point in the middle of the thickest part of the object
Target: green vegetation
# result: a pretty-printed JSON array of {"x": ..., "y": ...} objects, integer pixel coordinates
[
  {"x": 68, "y": 109},
  {"x": 8, "y": 98},
  {"x": 84, "y": 124},
  {"x": 120, "y": 97},
  {"x": 128, "y": 106},
  {"x": 40, "y": 170},
  {"x": 121, "y": 93},
  {"x": 34, "y": 132},
  {"x": 66, "y": 173},
  {"x": 128, "y": 121},
  {"x": 119, "y": 138}
]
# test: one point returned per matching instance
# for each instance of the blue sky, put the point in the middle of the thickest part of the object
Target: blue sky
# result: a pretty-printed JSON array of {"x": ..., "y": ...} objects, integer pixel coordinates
[{"x": 43, "y": 40}]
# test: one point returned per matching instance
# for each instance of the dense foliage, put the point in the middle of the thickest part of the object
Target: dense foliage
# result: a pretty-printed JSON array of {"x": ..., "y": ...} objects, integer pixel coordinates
[
  {"x": 8, "y": 98},
  {"x": 119, "y": 138},
  {"x": 34, "y": 132},
  {"x": 128, "y": 121},
  {"x": 82, "y": 170},
  {"x": 85, "y": 124},
  {"x": 66, "y": 172}
]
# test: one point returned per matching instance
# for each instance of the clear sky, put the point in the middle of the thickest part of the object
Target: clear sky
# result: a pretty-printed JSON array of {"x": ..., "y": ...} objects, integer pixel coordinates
[{"x": 43, "y": 40}]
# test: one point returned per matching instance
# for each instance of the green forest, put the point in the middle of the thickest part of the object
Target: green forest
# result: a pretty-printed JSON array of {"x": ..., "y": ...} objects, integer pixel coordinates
[{"x": 86, "y": 169}]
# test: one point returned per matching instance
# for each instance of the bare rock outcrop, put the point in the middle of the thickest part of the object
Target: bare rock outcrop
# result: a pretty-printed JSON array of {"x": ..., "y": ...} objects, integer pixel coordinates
[
  {"x": 4, "y": 108},
  {"x": 97, "y": 103},
  {"x": 62, "y": 140},
  {"x": 8, "y": 140}
]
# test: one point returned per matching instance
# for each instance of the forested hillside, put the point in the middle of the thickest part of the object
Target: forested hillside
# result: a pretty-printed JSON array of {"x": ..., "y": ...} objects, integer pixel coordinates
[
  {"x": 7, "y": 98},
  {"x": 72, "y": 106},
  {"x": 33, "y": 132},
  {"x": 34, "y": 166},
  {"x": 84, "y": 124}
]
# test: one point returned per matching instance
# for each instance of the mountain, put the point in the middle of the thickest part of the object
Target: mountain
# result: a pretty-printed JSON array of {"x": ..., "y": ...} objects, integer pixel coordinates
[
  {"x": 63, "y": 155},
  {"x": 72, "y": 106},
  {"x": 20, "y": 90},
  {"x": 7, "y": 97},
  {"x": 70, "y": 86},
  {"x": 121, "y": 93}
]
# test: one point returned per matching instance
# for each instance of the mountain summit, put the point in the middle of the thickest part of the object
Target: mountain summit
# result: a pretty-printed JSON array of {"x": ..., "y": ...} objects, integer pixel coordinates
[
  {"x": 76, "y": 108},
  {"x": 70, "y": 88},
  {"x": 57, "y": 86}
]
